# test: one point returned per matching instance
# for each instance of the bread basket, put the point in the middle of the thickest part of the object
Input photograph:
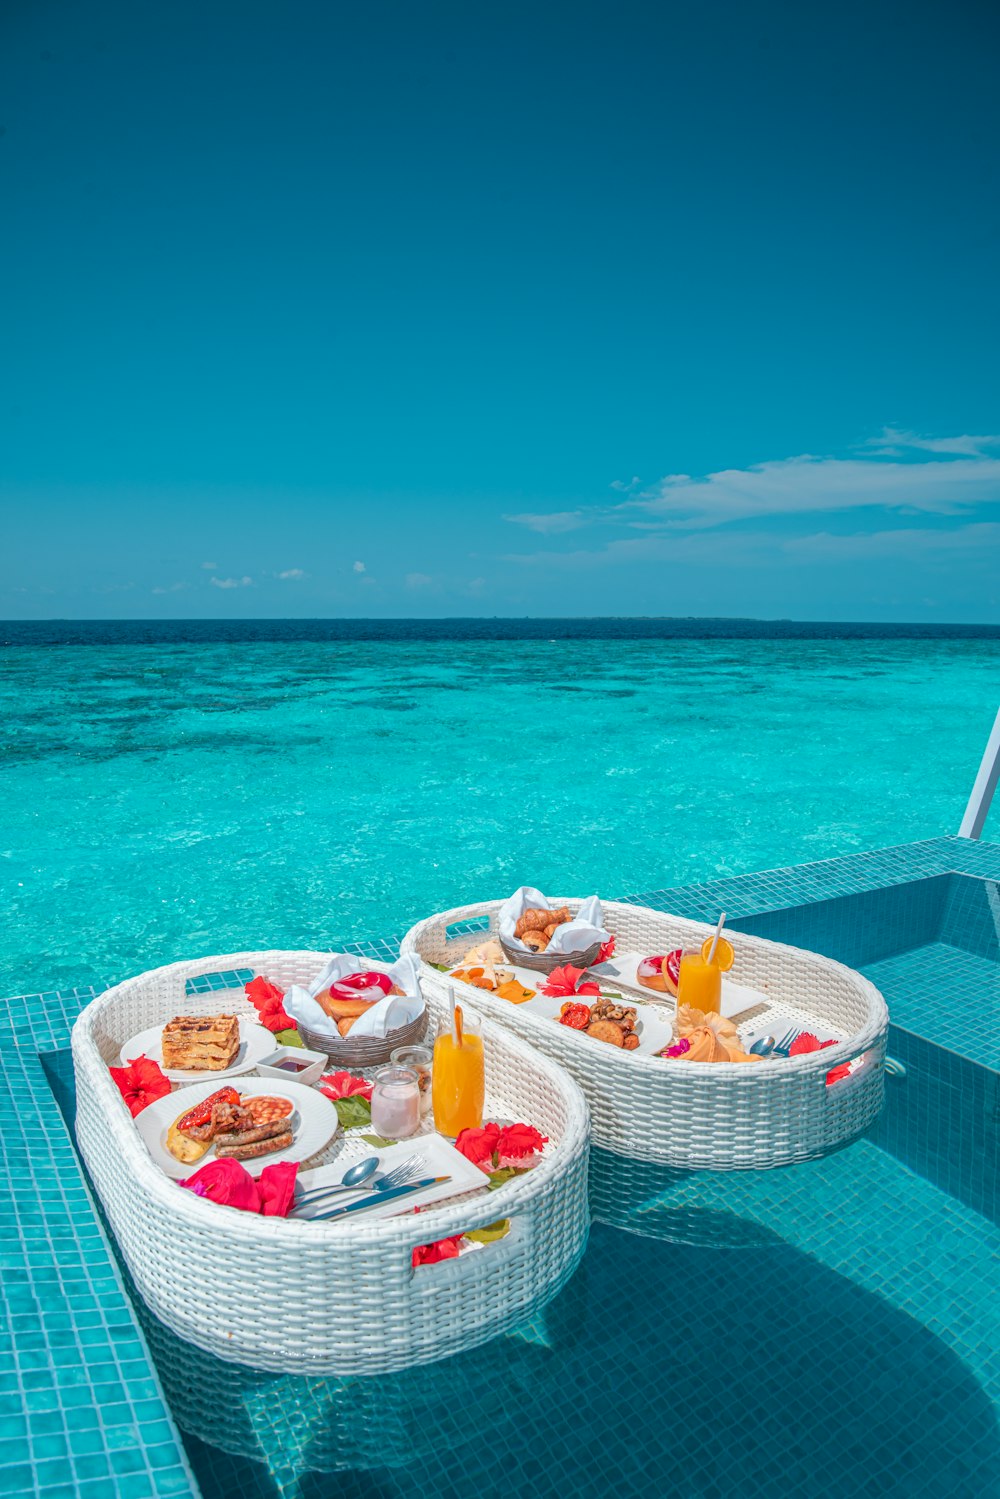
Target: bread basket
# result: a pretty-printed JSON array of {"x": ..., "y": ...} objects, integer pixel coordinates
[
  {"x": 365, "y": 1051},
  {"x": 547, "y": 962}
]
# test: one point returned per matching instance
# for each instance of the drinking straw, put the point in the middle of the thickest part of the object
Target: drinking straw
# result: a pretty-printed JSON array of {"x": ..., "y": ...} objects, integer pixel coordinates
[
  {"x": 715, "y": 939},
  {"x": 458, "y": 1026}
]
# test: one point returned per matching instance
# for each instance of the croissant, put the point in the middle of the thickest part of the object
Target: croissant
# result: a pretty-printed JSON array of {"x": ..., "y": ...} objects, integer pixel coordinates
[
  {"x": 536, "y": 919},
  {"x": 537, "y": 941},
  {"x": 549, "y": 931}
]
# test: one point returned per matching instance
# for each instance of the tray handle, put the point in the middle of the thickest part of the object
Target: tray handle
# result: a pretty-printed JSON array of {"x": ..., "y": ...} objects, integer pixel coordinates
[{"x": 433, "y": 1279}]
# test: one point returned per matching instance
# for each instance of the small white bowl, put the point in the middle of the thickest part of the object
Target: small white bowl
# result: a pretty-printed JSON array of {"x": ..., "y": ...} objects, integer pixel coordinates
[{"x": 315, "y": 1062}]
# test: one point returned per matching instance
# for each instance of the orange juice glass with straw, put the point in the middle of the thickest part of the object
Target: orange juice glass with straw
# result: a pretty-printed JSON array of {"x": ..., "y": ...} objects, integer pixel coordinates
[
  {"x": 700, "y": 981},
  {"x": 458, "y": 1078}
]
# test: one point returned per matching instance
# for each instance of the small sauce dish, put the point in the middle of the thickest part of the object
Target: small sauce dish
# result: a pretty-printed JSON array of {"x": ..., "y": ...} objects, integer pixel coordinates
[{"x": 294, "y": 1064}]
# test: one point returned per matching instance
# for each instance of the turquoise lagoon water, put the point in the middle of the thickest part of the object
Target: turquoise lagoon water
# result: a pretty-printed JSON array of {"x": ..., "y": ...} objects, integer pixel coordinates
[{"x": 169, "y": 792}]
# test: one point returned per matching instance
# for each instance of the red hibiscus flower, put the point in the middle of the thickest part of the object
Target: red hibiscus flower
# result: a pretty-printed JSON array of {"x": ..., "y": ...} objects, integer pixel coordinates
[
  {"x": 140, "y": 1084},
  {"x": 342, "y": 1085},
  {"x": 607, "y": 950},
  {"x": 441, "y": 1249},
  {"x": 492, "y": 1148},
  {"x": 520, "y": 1140},
  {"x": 479, "y": 1145},
  {"x": 807, "y": 1042},
  {"x": 565, "y": 981},
  {"x": 267, "y": 1000},
  {"x": 518, "y": 1146}
]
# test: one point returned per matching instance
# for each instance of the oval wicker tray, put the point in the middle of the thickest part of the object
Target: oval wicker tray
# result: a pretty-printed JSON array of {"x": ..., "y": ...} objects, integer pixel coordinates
[
  {"x": 317, "y": 1298},
  {"x": 724, "y": 1116}
]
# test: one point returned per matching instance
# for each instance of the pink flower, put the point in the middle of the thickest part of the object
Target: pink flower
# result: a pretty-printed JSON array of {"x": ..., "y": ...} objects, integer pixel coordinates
[
  {"x": 276, "y": 1185},
  {"x": 519, "y": 1140},
  {"x": 342, "y": 1085},
  {"x": 230, "y": 1184},
  {"x": 682, "y": 1046},
  {"x": 140, "y": 1084},
  {"x": 565, "y": 981},
  {"x": 607, "y": 950}
]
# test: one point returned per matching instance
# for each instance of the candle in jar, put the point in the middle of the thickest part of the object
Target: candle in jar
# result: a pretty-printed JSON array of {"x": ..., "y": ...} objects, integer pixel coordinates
[
  {"x": 419, "y": 1059},
  {"x": 396, "y": 1103}
]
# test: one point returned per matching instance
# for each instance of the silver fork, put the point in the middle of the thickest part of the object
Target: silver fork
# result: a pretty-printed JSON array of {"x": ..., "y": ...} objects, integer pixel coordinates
[
  {"x": 397, "y": 1177},
  {"x": 781, "y": 1048}
]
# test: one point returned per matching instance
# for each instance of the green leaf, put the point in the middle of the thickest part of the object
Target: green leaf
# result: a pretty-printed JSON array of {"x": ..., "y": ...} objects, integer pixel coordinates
[
  {"x": 353, "y": 1112},
  {"x": 378, "y": 1141},
  {"x": 503, "y": 1176},
  {"x": 441, "y": 967},
  {"x": 491, "y": 1232},
  {"x": 288, "y": 1038}
]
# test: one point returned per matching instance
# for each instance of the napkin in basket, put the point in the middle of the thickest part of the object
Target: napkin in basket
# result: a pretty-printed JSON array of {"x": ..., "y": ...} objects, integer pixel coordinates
[
  {"x": 586, "y": 927},
  {"x": 387, "y": 1015}
]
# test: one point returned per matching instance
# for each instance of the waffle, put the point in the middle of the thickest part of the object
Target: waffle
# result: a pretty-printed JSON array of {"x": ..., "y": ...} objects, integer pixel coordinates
[{"x": 201, "y": 1043}]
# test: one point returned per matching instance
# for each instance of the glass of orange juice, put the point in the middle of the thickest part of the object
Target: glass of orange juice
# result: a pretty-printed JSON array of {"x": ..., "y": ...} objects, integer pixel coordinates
[
  {"x": 458, "y": 1078},
  {"x": 700, "y": 982}
]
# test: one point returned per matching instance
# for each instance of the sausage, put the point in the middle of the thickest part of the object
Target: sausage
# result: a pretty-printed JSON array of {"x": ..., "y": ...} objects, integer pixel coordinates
[
  {"x": 252, "y": 1135},
  {"x": 262, "y": 1147}
]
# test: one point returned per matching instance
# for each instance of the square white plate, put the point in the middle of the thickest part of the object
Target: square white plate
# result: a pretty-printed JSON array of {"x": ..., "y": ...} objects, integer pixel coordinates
[{"x": 435, "y": 1157}]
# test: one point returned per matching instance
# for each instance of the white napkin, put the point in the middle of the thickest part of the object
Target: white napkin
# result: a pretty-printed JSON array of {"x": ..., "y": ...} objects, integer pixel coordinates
[
  {"x": 586, "y": 927},
  {"x": 387, "y": 1015}
]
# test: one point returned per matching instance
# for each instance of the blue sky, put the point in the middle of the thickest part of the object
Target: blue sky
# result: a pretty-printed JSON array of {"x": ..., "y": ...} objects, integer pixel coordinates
[{"x": 522, "y": 309}]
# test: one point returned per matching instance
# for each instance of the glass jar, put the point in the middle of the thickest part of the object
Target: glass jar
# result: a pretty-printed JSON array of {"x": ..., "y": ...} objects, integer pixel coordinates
[
  {"x": 396, "y": 1103},
  {"x": 419, "y": 1058}
]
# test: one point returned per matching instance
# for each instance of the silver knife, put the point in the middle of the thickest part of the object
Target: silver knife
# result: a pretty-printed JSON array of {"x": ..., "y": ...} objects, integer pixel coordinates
[{"x": 378, "y": 1197}]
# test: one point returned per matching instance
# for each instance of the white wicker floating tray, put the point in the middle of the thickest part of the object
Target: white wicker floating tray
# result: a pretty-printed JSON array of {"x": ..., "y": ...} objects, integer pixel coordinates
[
  {"x": 328, "y": 1298},
  {"x": 722, "y": 1116}
]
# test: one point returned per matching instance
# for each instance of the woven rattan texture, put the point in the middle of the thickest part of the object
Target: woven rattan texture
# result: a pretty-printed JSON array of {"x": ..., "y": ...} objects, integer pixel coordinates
[
  {"x": 723, "y": 1117},
  {"x": 220, "y": 1278}
]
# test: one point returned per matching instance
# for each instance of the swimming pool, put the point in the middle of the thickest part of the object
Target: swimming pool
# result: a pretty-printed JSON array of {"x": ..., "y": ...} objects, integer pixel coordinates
[{"x": 821, "y": 1330}]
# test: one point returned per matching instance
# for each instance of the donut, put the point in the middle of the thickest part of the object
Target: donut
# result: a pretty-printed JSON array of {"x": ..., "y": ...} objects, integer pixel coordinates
[
  {"x": 660, "y": 973},
  {"x": 342, "y": 1009}
]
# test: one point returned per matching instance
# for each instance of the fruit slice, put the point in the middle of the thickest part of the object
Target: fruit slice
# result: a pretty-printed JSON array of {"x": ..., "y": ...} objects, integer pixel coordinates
[{"x": 724, "y": 955}]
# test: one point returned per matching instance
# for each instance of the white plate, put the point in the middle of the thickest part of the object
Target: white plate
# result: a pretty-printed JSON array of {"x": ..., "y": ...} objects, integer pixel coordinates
[
  {"x": 313, "y": 1123},
  {"x": 436, "y": 1157},
  {"x": 255, "y": 1042}
]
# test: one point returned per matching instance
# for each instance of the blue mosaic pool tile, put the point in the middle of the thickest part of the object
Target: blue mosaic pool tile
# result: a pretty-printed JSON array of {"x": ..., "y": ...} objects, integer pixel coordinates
[{"x": 82, "y": 1393}]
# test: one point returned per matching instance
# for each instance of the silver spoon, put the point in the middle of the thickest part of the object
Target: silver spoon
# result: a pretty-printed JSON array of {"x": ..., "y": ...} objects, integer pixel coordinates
[
  {"x": 763, "y": 1047},
  {"x": 351, "y": 1179}
]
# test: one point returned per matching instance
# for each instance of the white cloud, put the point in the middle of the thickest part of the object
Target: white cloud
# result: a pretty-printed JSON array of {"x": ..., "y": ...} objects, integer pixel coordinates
[
  {"x": 806, "y": 484},
  {"x": 906, "y": 543},
  {"x": 359, "y": 567},
  {"x": 291, "y": 574},
  {"x": 231, "y": 582},
  {"x": 418, "y": 580},
  {"x": 743, "y": 549},
  {"x": 209, "y": 566},
  {"x": 894, "y": 442},
  {"x": 174, "y": 587},
  {"x": 941, "y": 476},
  {"x": 550, "y": 525}
]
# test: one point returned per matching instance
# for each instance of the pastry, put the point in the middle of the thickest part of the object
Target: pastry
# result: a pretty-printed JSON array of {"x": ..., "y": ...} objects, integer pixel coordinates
[
  {"x": 660, "y": 973},
  {"x": 606, "y": 1030},
  {"x": 537, "y": 941},
  {"x": 200, "y": 1043},
  {"x": 536, "y": 919}
]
